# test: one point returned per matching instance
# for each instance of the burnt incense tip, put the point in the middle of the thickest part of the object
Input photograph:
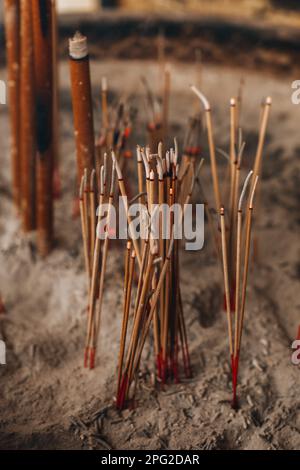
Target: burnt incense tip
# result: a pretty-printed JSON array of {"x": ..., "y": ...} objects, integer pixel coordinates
[
  {"x": 78, "y": 47},
  {"x": 232, "y": 102},
  {"x": 222, "y": 210}
]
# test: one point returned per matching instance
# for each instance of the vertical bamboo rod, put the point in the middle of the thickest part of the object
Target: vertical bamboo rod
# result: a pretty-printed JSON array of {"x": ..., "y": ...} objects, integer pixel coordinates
[{"x": 226, "y": 278}]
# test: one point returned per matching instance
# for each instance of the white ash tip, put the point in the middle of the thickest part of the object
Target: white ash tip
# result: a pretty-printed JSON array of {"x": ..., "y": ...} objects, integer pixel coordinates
[
  {"x": 232, "y": 102},
  {"x": 201, "y": 97},
  {"x": 78, "y": 47}
]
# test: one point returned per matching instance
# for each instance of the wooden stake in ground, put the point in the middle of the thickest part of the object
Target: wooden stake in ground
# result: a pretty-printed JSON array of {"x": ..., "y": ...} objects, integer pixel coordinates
[
  {"x": 12, "y": 32},
  {"x": 82, "y": 103},
  {"x": 43, "y": 65},
  {"x": 27, "y": 123}
]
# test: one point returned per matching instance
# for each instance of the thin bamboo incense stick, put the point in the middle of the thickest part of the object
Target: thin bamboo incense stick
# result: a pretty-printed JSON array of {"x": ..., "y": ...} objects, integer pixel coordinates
[
  {"x": 86, "y": 212},
  {"x": 12, "y": 28},
  {"x": 238, "y": 262},
  {"x": 211, "y": 144},
  {"x": 82, "y": 103},
  {"x": 246, "y": 259},
  {"x": 43, "y": 65},
  {"x": 93, "y": 212},
  {"x": 232, "y": 161},
  {"x": 261, "y": 140},
  {"x": 27, "y": 123},
  {"x": 226, "y": 279},
  {"x": 140, "y": 174},
  {"x": 83, "y": 227}
]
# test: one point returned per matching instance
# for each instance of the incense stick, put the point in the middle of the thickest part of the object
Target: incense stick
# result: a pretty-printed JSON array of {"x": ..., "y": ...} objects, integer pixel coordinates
[
  {"x": 211, "y": 144},
  {"x": 82, "y": 103},
  {"x": 12, "y": 28},
  {"x": 43, "y": 65},
  {"x": 27, "y": 123}
]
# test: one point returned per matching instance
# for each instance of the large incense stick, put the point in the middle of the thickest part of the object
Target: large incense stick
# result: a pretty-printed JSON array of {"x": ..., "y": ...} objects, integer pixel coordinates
[
  {"x": 12, "y": 28},
  {"x": 43, "y": 65},
  {"x": 27, "y": 123},
  {"x": 82, "y": 103}
]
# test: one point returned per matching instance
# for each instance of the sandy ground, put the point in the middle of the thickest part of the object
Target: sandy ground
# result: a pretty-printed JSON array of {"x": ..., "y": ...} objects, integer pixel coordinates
[{"x": 47, "y": 399}]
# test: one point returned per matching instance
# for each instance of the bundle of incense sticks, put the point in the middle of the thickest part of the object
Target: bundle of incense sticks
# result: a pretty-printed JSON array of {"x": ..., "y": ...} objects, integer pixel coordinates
[
  {"x": 95, "y": 244},
  {"x": 157, "y": 301},
  {"x": 30, "y": 51},
  {"x": 235, "y": 222}
]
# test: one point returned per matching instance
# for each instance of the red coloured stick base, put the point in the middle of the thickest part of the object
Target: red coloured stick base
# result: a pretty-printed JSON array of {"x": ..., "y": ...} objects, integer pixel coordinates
[
  {"x": 86, "y": 357},
  {"x": 235, "y": 368}
]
